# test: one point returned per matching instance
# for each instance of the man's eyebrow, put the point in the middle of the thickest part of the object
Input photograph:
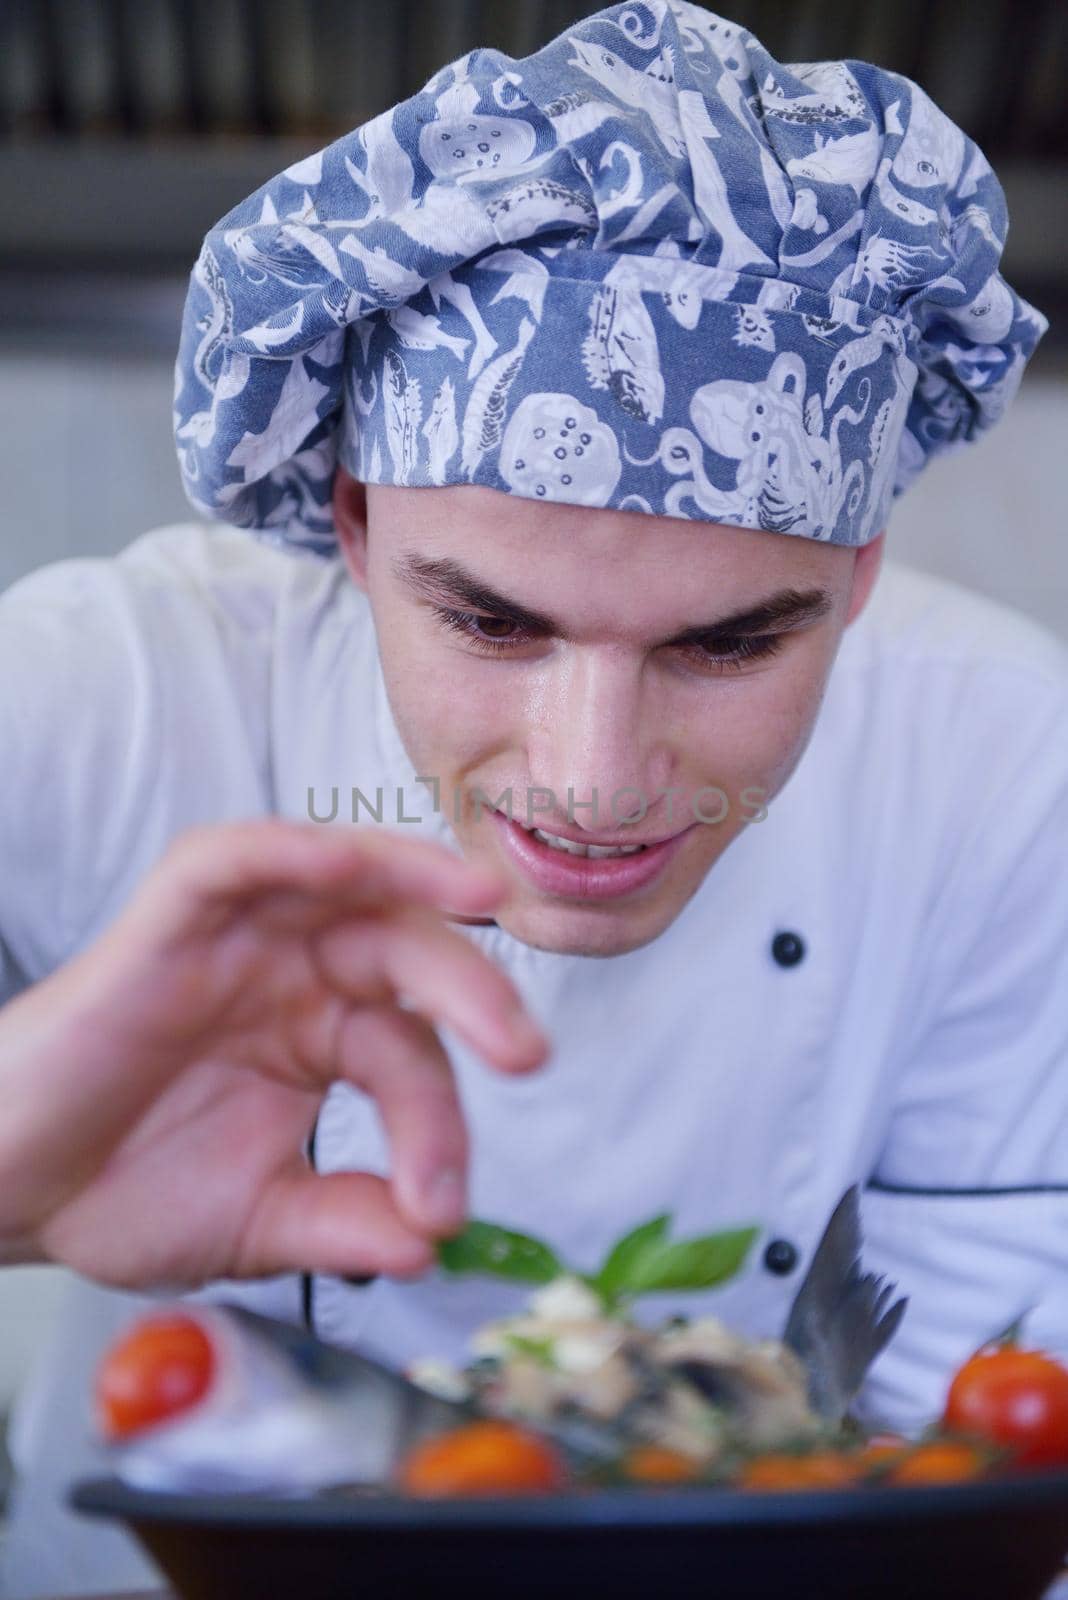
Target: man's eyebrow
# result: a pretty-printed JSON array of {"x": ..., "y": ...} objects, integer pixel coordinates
[{"x": 447, "y": 581}]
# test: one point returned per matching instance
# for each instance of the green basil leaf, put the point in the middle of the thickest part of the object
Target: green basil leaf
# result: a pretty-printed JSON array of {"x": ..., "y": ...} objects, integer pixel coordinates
[
  {"x": 621, "y": 1259},
  {"x": 540, "y": 1350},
  {"x": 690, "y": 1263},
  {"x": 499, "y": 1252}
]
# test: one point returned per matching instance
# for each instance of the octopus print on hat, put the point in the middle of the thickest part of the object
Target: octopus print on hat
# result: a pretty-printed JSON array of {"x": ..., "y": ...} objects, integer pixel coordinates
[{"x": 648, "y": 267}]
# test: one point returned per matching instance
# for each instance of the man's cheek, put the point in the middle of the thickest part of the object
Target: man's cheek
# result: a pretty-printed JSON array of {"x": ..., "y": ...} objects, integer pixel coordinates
[
  {"x": 761, "y": 741},
  {"x": 446, "y": 721},
  {"x": 780, "y": 738}
]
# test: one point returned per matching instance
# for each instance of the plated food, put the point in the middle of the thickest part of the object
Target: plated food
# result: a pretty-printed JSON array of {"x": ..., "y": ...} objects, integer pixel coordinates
[
  {"x": 205, "y": 1396},
  {"x": 574, "y": 1392},
  {"x": 692, "y": 1403},
  {"x": 691, "y": 1390},
  {"x": 580, "y": 1445}
]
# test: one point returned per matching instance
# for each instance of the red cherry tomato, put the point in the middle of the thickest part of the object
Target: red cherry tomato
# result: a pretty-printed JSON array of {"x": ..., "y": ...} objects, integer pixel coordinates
[
  {"x": 1016, "y": 1398},
  {"x": 162, "y": 1366}
]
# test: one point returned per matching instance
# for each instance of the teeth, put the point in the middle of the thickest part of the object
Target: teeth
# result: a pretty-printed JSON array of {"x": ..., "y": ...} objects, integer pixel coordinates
[{"x": 595, "y": 850}]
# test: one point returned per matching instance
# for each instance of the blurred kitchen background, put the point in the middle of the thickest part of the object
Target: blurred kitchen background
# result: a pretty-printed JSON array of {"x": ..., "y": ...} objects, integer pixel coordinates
[{"x": 127, "y": 127}]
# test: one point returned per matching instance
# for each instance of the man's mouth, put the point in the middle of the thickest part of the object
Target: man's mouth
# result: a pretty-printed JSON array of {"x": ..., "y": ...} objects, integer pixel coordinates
[
  {"x": 573, "y": 868},
  {"x": 574, "y": 848}
]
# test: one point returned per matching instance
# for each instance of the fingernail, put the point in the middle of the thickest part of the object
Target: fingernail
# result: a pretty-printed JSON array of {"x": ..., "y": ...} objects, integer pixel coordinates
[{"x": 445, "y": 1198}]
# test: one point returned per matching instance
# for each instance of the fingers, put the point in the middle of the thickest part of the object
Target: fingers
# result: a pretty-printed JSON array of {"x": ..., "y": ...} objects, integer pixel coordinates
[
  {"x": 398, "y": 1059},
  {"x": 212, "y": 869},
  {"x": 441, "y": 974},
  {"x": 345, "y": 1224}
]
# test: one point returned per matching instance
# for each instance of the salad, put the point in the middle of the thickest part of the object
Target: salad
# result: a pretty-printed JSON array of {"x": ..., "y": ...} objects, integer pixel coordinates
[{"x": 577, "y": 1355}]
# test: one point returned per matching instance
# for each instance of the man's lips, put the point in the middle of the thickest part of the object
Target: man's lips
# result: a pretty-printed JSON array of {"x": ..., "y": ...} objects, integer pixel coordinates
[
  {"x": 558, "y": 872},
  {"x": 613, "y": 842}
]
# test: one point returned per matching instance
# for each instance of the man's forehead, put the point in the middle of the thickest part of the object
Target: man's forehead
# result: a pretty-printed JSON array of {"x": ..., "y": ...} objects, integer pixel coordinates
[
  {"x": 509, "y": 542},
  {"x": 479, "y": 512}
]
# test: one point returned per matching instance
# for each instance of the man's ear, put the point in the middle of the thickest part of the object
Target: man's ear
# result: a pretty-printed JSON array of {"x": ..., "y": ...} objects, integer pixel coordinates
[
  {"x": 350, "y": 523},
  {"x": 865, "y": 571}
]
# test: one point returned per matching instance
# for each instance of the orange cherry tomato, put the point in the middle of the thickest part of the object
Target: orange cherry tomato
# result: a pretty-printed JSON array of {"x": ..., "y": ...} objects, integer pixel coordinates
[
  {"x": 160, "y": 1368},
  {"x": 489, "y": 1457},
  {"x": 1015, "y": 1398},
  {"x": 941, "y": 1461},
  {"x": 880, "y": 1442},
  {"x": 820, "y": 1469},
  {"x": 655, "y": 1463},
  {"x": 877, "y": 1458}
]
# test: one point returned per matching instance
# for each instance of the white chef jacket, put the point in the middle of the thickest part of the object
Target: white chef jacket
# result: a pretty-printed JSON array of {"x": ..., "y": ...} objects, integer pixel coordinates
[{"x": 919, "y": 1047}]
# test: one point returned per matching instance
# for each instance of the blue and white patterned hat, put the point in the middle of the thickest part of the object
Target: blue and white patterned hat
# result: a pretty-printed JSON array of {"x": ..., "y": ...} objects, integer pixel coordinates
[{"x": 648, "y": 267}]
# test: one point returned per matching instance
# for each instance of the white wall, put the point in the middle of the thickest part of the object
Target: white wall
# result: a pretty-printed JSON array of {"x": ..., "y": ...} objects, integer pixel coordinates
[
  {"x": 86, "y": 457},
  {"x": 29, "y": 1297},
  {"x": 995, "y": 516}
]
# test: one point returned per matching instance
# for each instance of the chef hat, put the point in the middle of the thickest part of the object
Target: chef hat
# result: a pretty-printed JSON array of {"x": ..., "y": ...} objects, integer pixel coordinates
[{"x": 648, "y": 267}]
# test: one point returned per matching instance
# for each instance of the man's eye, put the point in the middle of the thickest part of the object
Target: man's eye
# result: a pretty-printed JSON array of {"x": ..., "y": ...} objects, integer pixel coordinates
[
  {"x": 496, "y": 635},
  {"x": 493, "y": 627},
  {"x": 489, "y": 632},
  {"x": 734, "y": 653}
]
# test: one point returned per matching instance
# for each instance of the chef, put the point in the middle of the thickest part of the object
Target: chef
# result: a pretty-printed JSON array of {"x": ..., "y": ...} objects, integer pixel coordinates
[{"x": 554, "y": 419}]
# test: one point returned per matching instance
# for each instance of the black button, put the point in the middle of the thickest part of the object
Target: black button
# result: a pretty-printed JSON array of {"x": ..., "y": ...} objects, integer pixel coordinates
[
  {"x": 780, "y": 1257},
  {"x": 788, "y": 949},
  {"x": 361, "y": 1280}
]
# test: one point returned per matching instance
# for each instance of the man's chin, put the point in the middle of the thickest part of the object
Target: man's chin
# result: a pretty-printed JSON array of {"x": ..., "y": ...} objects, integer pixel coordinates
[{"x": 575, "y": 930}]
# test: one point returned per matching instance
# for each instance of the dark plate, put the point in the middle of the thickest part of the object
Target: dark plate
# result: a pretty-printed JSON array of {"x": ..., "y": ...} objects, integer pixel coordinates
[{"x": 980, "y": 1541}]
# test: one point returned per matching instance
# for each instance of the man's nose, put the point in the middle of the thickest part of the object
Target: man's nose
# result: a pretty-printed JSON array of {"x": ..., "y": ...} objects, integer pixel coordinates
[{"x": 601, "y": 747}]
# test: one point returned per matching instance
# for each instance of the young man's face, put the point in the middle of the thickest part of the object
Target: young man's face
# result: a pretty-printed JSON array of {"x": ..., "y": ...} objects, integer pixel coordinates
[{"x": 535, "y": 649}]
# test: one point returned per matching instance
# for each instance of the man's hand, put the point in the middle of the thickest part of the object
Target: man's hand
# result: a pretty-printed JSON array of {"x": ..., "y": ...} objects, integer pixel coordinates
[{"x": 159, "y": 1090}]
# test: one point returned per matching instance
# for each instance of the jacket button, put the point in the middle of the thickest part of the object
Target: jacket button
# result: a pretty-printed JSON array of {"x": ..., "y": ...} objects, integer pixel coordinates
[
  {"x": 788, "y": 949},
  {"x": 780, "y": 1257}
]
